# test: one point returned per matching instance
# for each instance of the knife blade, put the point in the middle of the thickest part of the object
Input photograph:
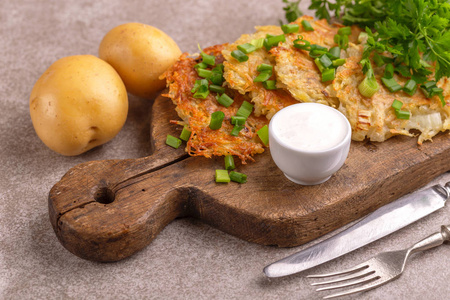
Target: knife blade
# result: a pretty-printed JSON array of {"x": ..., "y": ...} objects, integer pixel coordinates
[{"x": 381, "y": 222}]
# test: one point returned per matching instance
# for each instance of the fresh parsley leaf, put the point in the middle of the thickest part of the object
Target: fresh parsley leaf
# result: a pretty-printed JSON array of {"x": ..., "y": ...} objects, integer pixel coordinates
[{"x": 292, "y": 10}]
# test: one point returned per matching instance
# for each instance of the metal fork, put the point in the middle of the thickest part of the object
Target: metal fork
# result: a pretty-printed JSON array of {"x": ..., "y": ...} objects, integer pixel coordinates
[{"x": 379, "y": 270}]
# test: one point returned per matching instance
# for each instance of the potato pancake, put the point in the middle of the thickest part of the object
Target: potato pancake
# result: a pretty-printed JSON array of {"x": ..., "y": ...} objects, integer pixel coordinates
[{"x": 196, "y": 113}]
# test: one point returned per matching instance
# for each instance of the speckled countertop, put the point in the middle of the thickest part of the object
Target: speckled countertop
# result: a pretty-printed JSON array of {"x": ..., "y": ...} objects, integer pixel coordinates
[{"x": 188, "y": 260}]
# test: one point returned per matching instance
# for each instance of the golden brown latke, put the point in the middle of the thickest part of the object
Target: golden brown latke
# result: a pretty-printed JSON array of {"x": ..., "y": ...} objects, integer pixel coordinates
[{"x": 196, "y": 113}]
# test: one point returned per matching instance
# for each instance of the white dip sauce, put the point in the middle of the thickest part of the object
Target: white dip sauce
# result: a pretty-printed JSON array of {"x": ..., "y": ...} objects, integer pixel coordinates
[{"x": 310, "y": 127}]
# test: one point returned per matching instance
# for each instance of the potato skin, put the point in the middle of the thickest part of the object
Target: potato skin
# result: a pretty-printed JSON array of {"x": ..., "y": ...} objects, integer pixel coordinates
[
  {"x": 78, "y": 103},
  {"x": 140, "y": 53}
]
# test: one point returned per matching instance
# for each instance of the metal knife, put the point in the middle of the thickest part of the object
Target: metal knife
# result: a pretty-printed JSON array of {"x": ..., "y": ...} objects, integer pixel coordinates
[{"x": 378, "y": 224}]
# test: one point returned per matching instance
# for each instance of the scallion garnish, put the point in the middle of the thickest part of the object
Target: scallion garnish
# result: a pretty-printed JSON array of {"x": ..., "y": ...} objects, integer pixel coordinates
[
  {"x": 236, "y": 129},
  {"x": 216, "y": 78},
  {"x": 225, "y": 100},
  {"x": 198, "y": 83},
  {"x": 246, "y": 48},
  {"x": 338, "y": 62},
  {"x": 290, "y": 28},
  {"x": 173, "y": 141},
  {"x": 263, "y": 76},
  {"x": 326, "y": 61},
  {"x": 216, "y": 120},
  {"x": 258, "y": 43},
  {"x": 319, "y": 65},
  {"x": 307, "y": 26},
  {"x": 238, "y": 177},
  {"x": 369, "y": 86},
  {"x": 400, "y": 114},
  {"x": 328, "y": 75},
  {"x": 302, "y": 44},
  {"x": 239, "y": 55},
  {"x": 410, "y": 87},
  {"x": 273, "y": 40},
  {"x": 222, "y": 176},
  {"x": 204, "y": 73},
  {"x": 263, "y": 134},
  {"x": 229, "y": 162},
  {"x": 236, "y": 120},
  {"x": 270, "y": 84},
  {"x": 208, "y": 59},
  {"x": 245, "y": 110},
  {"x": 217, "y": 89},
  {"x": 201, "y": 65},
  {"x": 185, "y": 134},
  {"x": 389, "y": 71},
  {"x": 345, "y": 31},
  {"x": 202, "y": 92},
  {"x": 334, "y": 53},
  {"x": 264, "y": 67},
  {"x": 391, "y": 84}
]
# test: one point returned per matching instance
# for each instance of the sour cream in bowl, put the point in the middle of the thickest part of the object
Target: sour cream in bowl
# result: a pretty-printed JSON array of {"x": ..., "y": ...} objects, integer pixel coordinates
[{"x": 309, "y": 142}]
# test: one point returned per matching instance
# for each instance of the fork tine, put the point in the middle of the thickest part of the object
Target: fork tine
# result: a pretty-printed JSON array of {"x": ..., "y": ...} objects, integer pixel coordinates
[
  {"x": 353, "y": 277},
  {"x": 350, "y": 283},
  {"x": 371, "y": 285},
  {"x": 355, "y": 269}
]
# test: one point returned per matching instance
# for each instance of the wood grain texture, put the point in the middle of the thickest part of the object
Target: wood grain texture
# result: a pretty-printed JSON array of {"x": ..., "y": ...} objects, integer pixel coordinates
[{"x": 108, "y": 210}]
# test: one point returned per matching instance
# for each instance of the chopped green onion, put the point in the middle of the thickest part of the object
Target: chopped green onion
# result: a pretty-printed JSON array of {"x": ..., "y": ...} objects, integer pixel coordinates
[
  {"x": 204, "y": 73},
  {"x": 429, "y": 84},
  {"x": 273, "y": 41},
  {"x": 202, "y": 92},
  {"x": 198, "y": 83},
  {"x": 225, "y": 100},
  {"x": 263, "y": 76},
  {"x": 307, "y": 26},
  {"x": 369, "y": 86},
  {"x": 345, "y": 31},
  {"x": 391, "y": 84},
  {"x": 236, "y": 120},
  {"x": 208, "y": 59},
  {"x": 246, "y": 48},
  {"x": 341, "y": 40},
  {"x": 258, "y": 43},
  {"x": 317, "y": 50},
  {"x": 216, "y": 78},
  {"x": 263, "y": 134},
  {"x": 222, "y": 176},
  {"x": 264, "y": 67},
  {"x": 377, "y": 59},
  {"x": 216, "y": 120},
  {"x": 185, "y": 134},
  {"x": 239, "y": 55},
  {"x": 410, "y": 87},
  {"x": 328, "y": 75},
  {"x": 441, "y": 97},
  {"x": 403, "y": 114},
  {"x": 173, "y": 141},
  {"x": 245, "y": 110},
  {"x": 218, "y": 68},
  {"x": 217, "y": 89},
  {"x": 270, "y": 84},
  {"x": 238, "y": 177},
  {"x": 334, "y": 53},
  {"x": 326, "y": 61},
  {"x": 436, "y": 90},
  {"x": 290, "y": 28},
  {"x": 338, "y": 62},
  {"x": 302, "y": 44},
  {"x": 397, "y": 105},
  {"x": 319, "y": 65},
  {"x": 236, "y": 129},
  {"x": 389, "y": 71},
  {"x": 229, "y": 162},
  {"x": 201, "y": 65}
]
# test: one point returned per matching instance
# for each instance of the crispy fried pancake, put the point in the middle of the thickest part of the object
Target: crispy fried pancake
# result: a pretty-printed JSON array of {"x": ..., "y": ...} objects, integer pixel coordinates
[{"x": 196, "y": 113}]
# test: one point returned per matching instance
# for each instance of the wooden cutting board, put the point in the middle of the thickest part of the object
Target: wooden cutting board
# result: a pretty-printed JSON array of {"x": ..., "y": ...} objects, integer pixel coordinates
[{"x": 108, "y": 210}]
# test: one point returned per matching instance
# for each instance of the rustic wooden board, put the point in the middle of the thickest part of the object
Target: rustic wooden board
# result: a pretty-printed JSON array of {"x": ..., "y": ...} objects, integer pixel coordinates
[{"x": 108, "y": 210}]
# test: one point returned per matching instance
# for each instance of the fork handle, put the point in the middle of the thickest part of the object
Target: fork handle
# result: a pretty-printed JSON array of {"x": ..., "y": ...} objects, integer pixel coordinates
[{"x": 433, "y": 240}]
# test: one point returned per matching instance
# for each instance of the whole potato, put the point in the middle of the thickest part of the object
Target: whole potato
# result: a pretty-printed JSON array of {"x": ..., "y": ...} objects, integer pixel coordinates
[
  {"x": 80, "y": 102},
  {"x": 140, "y": 53}
]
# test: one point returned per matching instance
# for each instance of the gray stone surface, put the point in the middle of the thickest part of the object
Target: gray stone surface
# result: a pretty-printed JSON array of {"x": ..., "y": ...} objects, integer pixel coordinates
[{"x": 188, "y": 260}]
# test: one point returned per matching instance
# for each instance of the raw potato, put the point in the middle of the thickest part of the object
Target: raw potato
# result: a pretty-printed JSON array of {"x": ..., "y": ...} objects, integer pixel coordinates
[
  {"x": 140, "y": 53},
  {"x": 80, "y": 102}
]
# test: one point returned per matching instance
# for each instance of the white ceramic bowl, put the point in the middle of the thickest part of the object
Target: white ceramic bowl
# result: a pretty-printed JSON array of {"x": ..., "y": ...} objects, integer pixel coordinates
[{"x": 322, "y": 145}]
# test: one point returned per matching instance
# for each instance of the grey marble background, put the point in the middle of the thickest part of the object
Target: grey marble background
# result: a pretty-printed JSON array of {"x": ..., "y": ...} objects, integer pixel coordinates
[{"x": 188, "y": 260}]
